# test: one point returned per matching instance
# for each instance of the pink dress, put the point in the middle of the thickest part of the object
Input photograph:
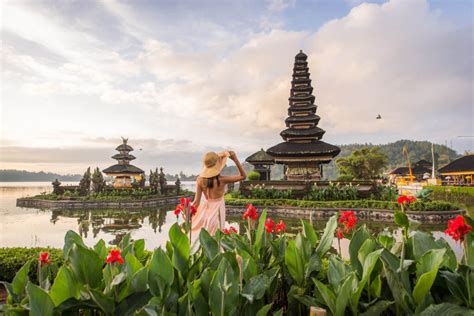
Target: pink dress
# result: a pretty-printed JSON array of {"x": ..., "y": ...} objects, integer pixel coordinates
[{"x": 210, "y": 215}]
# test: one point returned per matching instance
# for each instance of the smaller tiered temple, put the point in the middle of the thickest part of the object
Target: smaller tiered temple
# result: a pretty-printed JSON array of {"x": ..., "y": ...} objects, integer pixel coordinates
[
  {"x": 261, "y": 162},
  {"x": 302, "y": 151},
  {"x": 123, "y": 172}
]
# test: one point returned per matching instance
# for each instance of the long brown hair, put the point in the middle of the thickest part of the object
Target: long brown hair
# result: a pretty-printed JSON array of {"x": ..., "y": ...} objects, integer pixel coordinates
[{"x": 210, "y": 182}]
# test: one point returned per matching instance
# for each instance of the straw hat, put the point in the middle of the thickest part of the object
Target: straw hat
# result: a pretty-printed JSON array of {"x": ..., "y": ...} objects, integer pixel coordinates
[{"x": 213, "y": 163}]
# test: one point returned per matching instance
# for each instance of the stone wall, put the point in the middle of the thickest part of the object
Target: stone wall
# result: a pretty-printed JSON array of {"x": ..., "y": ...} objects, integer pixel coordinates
[
  {"x": 81, "y": 204},
  {"x": 374, "y": 215}
]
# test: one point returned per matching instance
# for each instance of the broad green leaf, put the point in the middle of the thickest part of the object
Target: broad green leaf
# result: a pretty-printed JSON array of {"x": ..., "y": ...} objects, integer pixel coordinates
[
  {"x": 294, "y": 262},
  {"x": 386, "y": 240},
  {"x": 71, "y": 238},
  {"x": 314, "y": 264},
  {"x": 249, "y": 266},
  {"x": 401, "y": 219},
  {"x": 368, "y": 267},
  {"x": 255, "y": 289},
  {"x": 260, "y": 232},
  {"x": 224, "y": 290},
  {"x": 426, "y": 271},
  {"x": 139, "y": 249},
  {"x": 327, "y": 295},
  {"x": 132, "y": 265},
  {"x": 86, "y": 265},
  {"x": 180, "y": 244},
  {"x": 358, "y": 238},
  {"x": 456, "y": 285},
  {"x": 21, "y": 279},
  {"x": 105, "y": 303},
  {"x": 344, "y": 294},
  {"x": 65, "y": 286},
  {"x": 446, "y": 309},
  {"x": 304, "y": 247},
  {"x": 264, "y": 310},
  {"x": 367, "y": 247},
  {"x": 336, "y": 272},
  {"x": 328, "y": 236},
  {"x": 421, "y": 242},
  {"x": 470, "y": 249},
  {"x": 40, "y": 302},
  {"x": 161, "y": 272},
  {"x": 139, "y": 281},
  {"x": 394, "y": 280},
  {"x": 378, "y": 309},
  {"x": 101, "y": 250},
  {"x": 309, "y": 233},
  {"x": 133, "y": 303},
  {"x": 209, "y": 244}
]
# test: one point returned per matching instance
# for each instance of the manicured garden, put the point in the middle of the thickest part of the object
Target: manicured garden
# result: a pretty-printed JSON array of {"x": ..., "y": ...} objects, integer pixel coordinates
[{"x": 258, "y": 270}]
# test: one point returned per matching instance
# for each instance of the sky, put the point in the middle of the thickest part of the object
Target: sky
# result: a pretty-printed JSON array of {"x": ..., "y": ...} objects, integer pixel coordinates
[{"x": 180, "y": 78}]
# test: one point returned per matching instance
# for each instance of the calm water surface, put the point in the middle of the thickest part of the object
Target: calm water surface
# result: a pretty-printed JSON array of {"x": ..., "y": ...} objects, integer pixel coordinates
[{"x": 27, "y": 227}]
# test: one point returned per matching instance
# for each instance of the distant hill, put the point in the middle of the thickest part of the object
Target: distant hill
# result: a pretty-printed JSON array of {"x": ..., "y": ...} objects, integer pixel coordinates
[
  {"x": 417, "y": 149},
  {"x": 8, "y": 175}
]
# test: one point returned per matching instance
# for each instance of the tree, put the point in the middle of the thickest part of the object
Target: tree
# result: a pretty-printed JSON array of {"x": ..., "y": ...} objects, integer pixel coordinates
[
  {"x": 85, "y": 183},
  {"x": 362, "y": 164},
  {"x": 98, "y": 181},
  {"x": 154, "y": 181}
]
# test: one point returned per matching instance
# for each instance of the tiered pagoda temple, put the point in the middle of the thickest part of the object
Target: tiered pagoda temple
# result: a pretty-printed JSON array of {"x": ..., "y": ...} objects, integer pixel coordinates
[
  {"x": 123, "y": 172},
  {"x": 302, "y": 151}
]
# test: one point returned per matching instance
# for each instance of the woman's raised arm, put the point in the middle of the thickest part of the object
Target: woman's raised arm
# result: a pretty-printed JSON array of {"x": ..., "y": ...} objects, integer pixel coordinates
[{"x": 242, "y": 176}]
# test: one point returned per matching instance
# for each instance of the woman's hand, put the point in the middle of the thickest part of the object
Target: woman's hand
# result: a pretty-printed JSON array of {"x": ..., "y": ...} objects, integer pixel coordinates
[{"x": 233, "y": 156}]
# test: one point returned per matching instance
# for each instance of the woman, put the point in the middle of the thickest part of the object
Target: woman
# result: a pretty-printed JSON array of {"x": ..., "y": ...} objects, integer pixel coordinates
[{"x": 211, "y": 212}]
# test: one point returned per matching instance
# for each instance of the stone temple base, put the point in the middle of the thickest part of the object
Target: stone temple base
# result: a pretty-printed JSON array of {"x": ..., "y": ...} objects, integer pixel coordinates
[{"x": 295, "y": 173}]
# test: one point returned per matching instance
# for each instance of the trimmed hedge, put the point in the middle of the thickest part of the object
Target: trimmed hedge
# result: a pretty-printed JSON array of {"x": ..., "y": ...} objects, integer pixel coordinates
[
  {"x": 388, "y": 205},
  {"x": 12, "y": 259},
  {"x": 453, "y": 194}
]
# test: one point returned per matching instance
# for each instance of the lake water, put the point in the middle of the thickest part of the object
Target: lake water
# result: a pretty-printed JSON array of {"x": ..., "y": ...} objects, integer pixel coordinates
[{"x": 27, "y": 227}]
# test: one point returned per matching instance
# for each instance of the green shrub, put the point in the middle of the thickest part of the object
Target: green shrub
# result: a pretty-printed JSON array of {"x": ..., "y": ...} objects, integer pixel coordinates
[
  {"x": 12, "y": 259},
  {"x": 463, "y": 195},
  {"x": 375, "y": 204},
  {"x": 253, "y": 176},
  {"x": 332, "y": 192}
]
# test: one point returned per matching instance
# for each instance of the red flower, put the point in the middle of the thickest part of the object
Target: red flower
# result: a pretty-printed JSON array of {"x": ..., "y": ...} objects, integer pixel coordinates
[
  {"x": 44, "y": 258},
  {"x": 251, "y": 212},
  {"x": 269, "y": 224},
  {"x": 457, "y": 228},
  {"x": 230, "y": 230},
  {"x": 193, "y": 210},
  {"x": 280, "y": 227},
  {"x": 185, "y": 201},
  {"x": 339, "y": 233},
  {"x": 402, "y": 199},
  {"x": 178, "y": 209},
  {"x": 348, "y": 219},
  {"x": 114, "y": 256}
]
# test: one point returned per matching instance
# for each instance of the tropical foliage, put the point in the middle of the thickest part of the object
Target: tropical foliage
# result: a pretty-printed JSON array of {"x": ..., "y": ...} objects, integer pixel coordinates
[
  {"x": 260, "y": 271},
  {"x": 363, "y": 164}
]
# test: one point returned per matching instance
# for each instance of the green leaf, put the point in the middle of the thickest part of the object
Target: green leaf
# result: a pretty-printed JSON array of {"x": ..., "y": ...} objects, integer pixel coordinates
[
  {"x": 139, "y": 249},
  {"x": 133, "y": 303},
  {"x": 344, "y": 295},
  {"x": 446, "y": 309},
  {"x": 71, "y": 238},
  {"x": 294, "y": 262},
  {"x": 336, "y": 272},
  {"x": 255, "y": 289},
  {"x": 456, "y": 285},
  {"x": 105, "y": 303},
  {"x": 377, "y": 309},
  {"x": 65, "y": 286},
  {"x": 309, "y": 233},
  {"x": 209, "y": 244},
  {"x": 358, "y": 238},
  {"x": 314, "y": 264},
  {"x": 264, "y": 310},
  {"x": 369, "y": 265},
  {"x": 401, "y": 219},
  {"x": 260, "y": 232},
  {"x": 426, "y": 270},
  {"x": 132, "y": 265},
  {"x": 249, "y": 266},
  {"x": 180, "y": 244},
  {"x": 328, "y": 296},
  {"x": 101, "y": 250},
  {"x": 21, "y": 279},
  {"x": 224, "y": 290},
  {"x": 40, "y": 302},
  {"x": 161, "y": 272},
  {"x": 328, "y": 236},
  {"x": 86, "y": 265},
  {"x": 470, "y": 249}
]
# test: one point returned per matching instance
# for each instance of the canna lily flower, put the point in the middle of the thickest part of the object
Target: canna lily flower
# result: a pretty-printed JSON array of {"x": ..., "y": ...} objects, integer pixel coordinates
[
  {"x": 44, "y": 258},
  {"x": 339, "y": 233},
  {"x": 280, "y": 227},
  {"x": 114, "y": 256},
  {"x": 403, "y": 199},
  {"x": 193, "y": 210},
  {"x": 230, "y": 230},
  {"x": 250, "y": 213},
  {"x": 348, "y": 220},
  {"x": 179, "y": 209},
  {"x": 457, "y": 228},
  {"x": 269, "y": 224}
]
